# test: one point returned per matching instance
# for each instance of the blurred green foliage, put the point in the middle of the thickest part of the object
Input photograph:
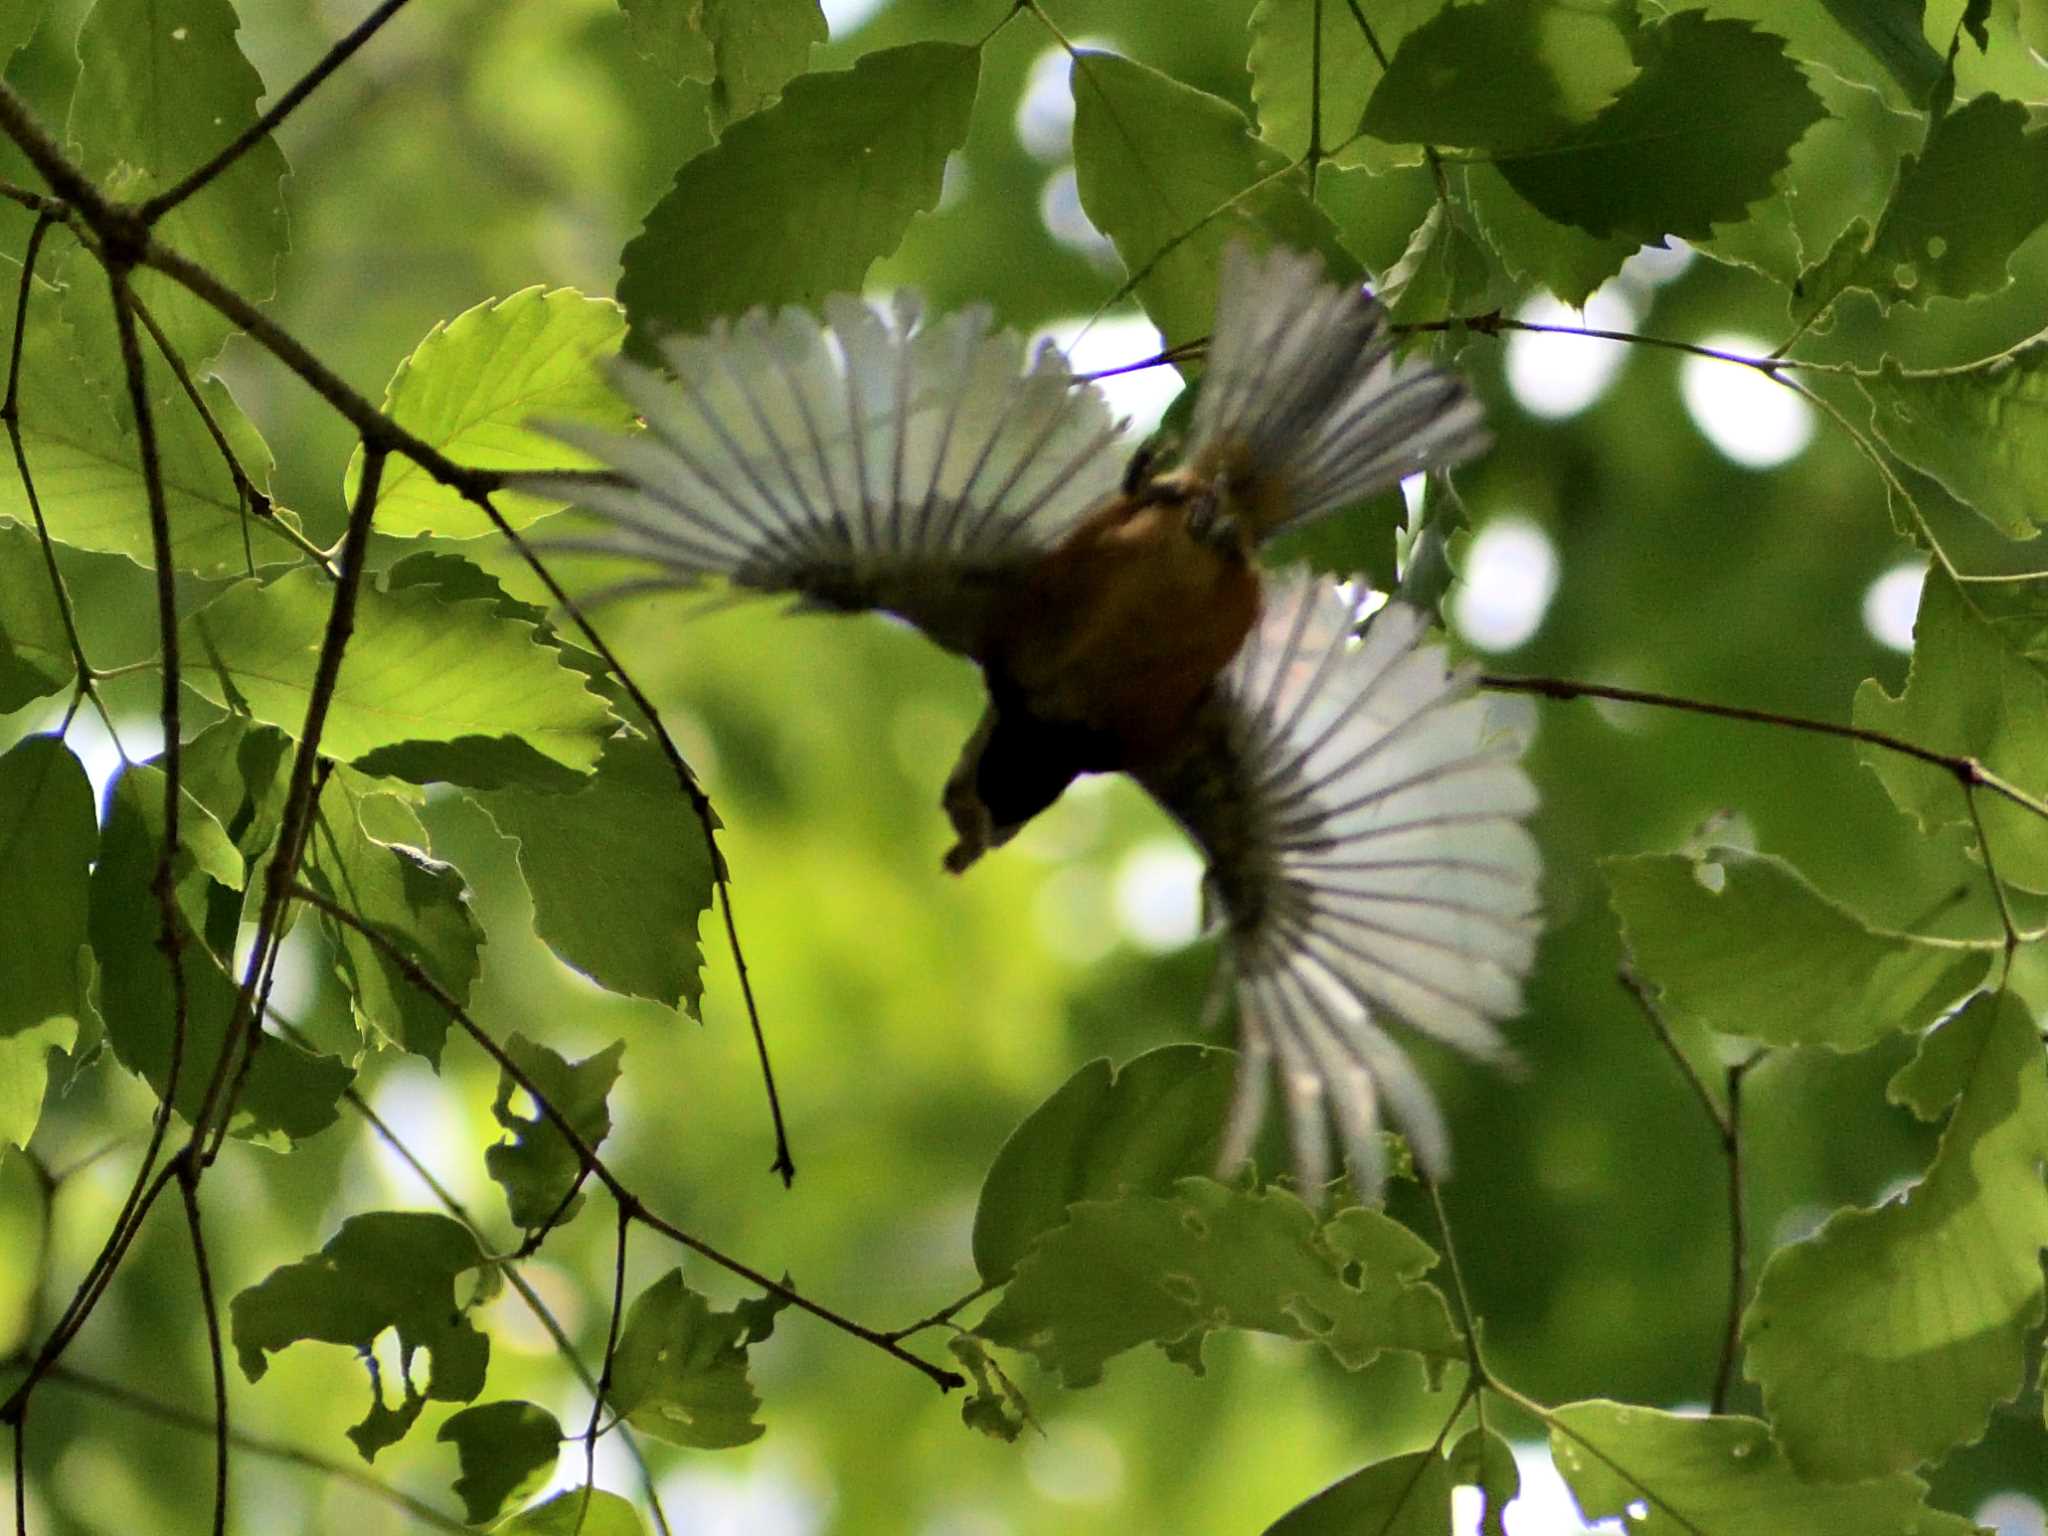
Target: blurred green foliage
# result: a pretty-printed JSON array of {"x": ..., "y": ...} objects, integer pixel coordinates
[{"x": 475, "y": 150}]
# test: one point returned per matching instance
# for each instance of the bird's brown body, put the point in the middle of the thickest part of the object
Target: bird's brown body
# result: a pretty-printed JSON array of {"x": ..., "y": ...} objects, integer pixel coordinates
[{"x": 1099, "y": 658}]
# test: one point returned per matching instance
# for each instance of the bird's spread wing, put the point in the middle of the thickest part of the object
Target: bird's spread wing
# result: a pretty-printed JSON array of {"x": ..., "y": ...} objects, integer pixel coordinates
[
  {"x": 1304, "y": 408},
  {"x": 869, "y": 462},
  {"x": 1367, "y": 860}
]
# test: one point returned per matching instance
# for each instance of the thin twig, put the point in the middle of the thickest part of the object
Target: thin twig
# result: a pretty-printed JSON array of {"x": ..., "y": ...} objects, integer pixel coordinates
[
  {"x": 286, "y": 104},
  {"x": 188, "y": 1190},
  {"x": 1637, "y": 988},
  {"x": 1738, "y": 1234},
  {"x": 611, "y": 1349},
  {"x": 587, "y": 1155},
  {"x": 1967, "y": 771},
  {"x": 945, "y": 1314}
]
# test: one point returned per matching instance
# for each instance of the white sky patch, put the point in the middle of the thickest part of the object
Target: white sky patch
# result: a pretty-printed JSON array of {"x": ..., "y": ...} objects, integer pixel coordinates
[
  {"x": 1752, "y": 421},
  {"x": 844, "y": 16},
  {"x": 1045, "y": 112},
  {"x": 1059, "y": 208},
  {"x": 1891, "y": 603},
  {"x": 1557, "y": 376},
  {"x": 1509, "y": 578},
  {"x": 2013, "y": 1514},
  {"x": 1655, "y": 265},
  {"x": 1144, "y": 394},
  {"x": 1159, "y": 895},
  {"x": 770, "y": 1498},
  {"x": 410, "y": 1099}
]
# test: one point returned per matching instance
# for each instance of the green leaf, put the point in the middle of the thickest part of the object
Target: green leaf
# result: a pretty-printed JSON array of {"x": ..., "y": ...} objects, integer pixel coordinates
[
  {"x": 1282, "y": 61},
  {"x": 1981, "y": 429},
  {"x": 1670, "y": 1474},
  {"x": 1103, "y": 1134},
  {"x": 25, "y": 1076},
  {"x": 418, "y": 903},
  {"x": 35, "y": 656},
  {"x": 576, "y": 1512},
  {"x": 418, "y": 670},
  {"x": 48, "y": 840},
  {"x": 1890, "y": 30},
  {"x": 1172, "y": 175},
  {"x": 1958, "y": 211},
  {"x": 162, "y": 87},
  {"x": 506, "y": 1450},
  {"x": 1537, "y": 248},
  {"x": 473, "y": 389},
  {"x": 1502, "y": 75},
  {"x": 1484, "y": 1461},
  {"x": 1168, "y": 1270},
  {"x": 288, "y": 1092},
  {"x": 1401, "y": 1496},
  {"x": 1741, "y": 944},
  {"x": 388, "y": 1269},
  {"x": 1972, "y": 692},
  {"x": 620, "y": 873},
  {"x": 82, "y": 451},
  {"x": 1693, "y": 140},
  {"x": 852, "y": 155},
  {"x": 538, "y": 1167},
  {"x": 680, "y": 1374},
  {"x": 1888, "y": 1337},
  {"x": 1445, "y": 273},
  {"x": 995, "y": 1407},
  {"x": 748, "y": 49}
]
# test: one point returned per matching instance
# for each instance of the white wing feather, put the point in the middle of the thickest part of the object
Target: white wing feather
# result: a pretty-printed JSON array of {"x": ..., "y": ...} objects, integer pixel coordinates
[
  {"x": 1368, "y": 860},
  {"x": 867, "y": 462}
]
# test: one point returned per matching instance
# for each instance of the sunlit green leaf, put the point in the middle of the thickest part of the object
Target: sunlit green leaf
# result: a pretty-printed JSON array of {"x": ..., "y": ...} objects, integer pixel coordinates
[
  {"x": 1973, "y": 693},
  {"x": 537, "y": 1167},
  {"x": 680, "y": 1374},
  {"x": 25, "y": 1076},
  {"x": 162, "y": 87},
  {"x": 506, "y": 1450},
  {"x": 48, "y": 840},
  {"x": 1666, "y": 1473},
  {"x": 1505, "y": 75},
  {"x": 474, "y": 388},
  {"x": 1445, "y": 273},
  {"x": 1692, "y": 141},
  {"x": 1957, "y": 213},
  {"x": 1401, "y": 1496},
  {"x": 416, "y": 670},
  {"x": 388, "y": 1269},
  {"x": 1538, "y": 249},
  {"x": 35, "y": 656},
  {"x": 1889, "y": 1336},
  {"x": 1980, "y": 429},
  {"x": 577, "y": 1512},
  {"x": 1741, "y": 944},
  {"x": 288, "y": 1091},
  {"x": 1169, "y": 1270},
  {"x": 620, "y": 873},
  {"x": 387, "y": 879},
  {"x": 851, "y": 154},
  {"x": 1104, "y": 1134},
  {"x": 1485, "y": 1461},
  {"x": 1172, "y": 175},
  {"x": 747, "y": 49},
  {"x": 1282, "y": 64}
]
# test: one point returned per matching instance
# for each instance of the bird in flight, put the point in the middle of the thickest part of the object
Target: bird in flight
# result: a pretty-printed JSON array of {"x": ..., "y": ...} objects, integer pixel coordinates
[{"x": 1361, "y": 822}]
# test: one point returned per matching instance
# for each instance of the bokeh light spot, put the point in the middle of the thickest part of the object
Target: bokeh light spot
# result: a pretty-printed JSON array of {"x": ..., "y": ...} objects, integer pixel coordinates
[
  {"x": 1159, "y": 895},
  {"x": 1752, "y": 421},
  {"x": 1510, "y": 575},
  {"x": 1892, "y": 602},
  {"x": 1554, "y": 375}
]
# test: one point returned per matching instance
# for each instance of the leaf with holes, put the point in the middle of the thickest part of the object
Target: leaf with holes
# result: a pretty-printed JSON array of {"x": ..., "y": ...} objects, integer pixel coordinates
[
  {"x": 1888, "y": 1337},
  {"x": 1741, "y": 944},
  {"x": 538, "y": 1168},
  {"x": 851, "y": 154},
  {"x": 680, "y": 1374},
  {"x": 386, "y": 1270},
  {"x": 1167, "y": 1270},
  {"x": 1666, "y": 1473},
  {"x": 1958, "y": 211},
  {"x": 473, "y": 390}
]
